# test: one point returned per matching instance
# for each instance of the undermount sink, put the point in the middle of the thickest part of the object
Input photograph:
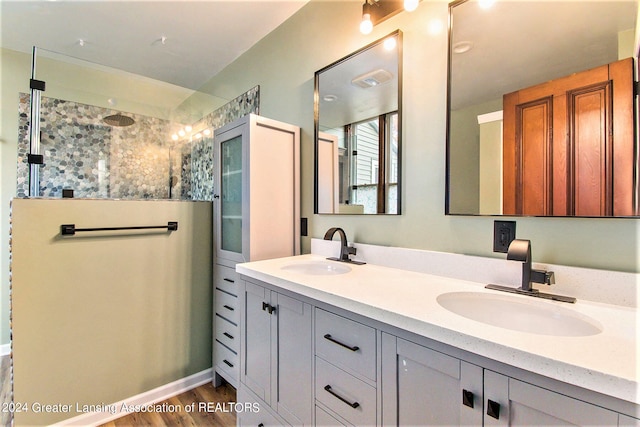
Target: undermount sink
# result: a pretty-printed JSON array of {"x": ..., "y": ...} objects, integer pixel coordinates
[
  {"x": 517, "y": 314},
  {"x": 317, "y": 268}
]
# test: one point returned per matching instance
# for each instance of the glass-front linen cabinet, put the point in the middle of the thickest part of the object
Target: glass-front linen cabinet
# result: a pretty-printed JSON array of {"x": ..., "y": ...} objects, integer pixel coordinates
[{"x": 256, "y": 216}]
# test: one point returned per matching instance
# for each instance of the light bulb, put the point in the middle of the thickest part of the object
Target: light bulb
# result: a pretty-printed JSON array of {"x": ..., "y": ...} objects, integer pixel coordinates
[
  {"x": 366, "y": 26},
  {"x": 174, "y": 137},
  {"x": 181, "y": 132},
  {"x": 411, "y": 5},
  {"x": 198, "y": 135},
  {"x": 188, "y": 128},
  {"x": 207, "y": 132}
]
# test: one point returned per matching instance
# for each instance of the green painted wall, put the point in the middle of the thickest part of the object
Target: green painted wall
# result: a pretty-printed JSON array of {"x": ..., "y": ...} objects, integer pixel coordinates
[
  {"x": 283, "y": 64},
  {"x": 103, "y": 316}
]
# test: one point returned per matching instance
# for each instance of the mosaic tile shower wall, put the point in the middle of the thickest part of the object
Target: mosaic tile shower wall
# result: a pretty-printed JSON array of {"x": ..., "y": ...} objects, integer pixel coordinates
[{"x": 136, "y": 162}]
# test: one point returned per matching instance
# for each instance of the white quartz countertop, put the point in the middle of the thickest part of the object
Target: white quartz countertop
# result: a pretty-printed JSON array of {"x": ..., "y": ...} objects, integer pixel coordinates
[{"x": 606, "y": 362}]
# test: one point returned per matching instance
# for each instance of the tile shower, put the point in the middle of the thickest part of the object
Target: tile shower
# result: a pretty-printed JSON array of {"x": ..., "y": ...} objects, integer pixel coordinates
[{"x": 97, "y": 160}]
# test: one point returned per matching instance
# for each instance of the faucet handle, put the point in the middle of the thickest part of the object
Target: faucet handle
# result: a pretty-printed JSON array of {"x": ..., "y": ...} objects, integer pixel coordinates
[
  {"x": 351, "y": 250},
  {"x": 549, "y": 278}
]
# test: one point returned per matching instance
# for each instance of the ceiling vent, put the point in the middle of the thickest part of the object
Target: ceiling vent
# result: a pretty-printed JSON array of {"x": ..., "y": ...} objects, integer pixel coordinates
[{"x": 372, "y": 78}]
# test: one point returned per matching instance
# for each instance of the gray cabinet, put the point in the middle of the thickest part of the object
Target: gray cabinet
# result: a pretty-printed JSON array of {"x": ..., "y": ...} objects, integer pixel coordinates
[
  {"x": 425, "y": 387},
  {"x": 257, "y": 200},
  {"x": 516, "y": 403},
  {"x": 277, "y": 353},
  {"x": 256, "y": 216},
  {"x": 226, "y": 325}
]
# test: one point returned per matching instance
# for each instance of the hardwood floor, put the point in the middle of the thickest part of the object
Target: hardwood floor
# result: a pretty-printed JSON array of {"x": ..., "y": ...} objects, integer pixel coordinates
[
  {"x": 5, "y": 389},
  {"x": 211, "y": 409}
]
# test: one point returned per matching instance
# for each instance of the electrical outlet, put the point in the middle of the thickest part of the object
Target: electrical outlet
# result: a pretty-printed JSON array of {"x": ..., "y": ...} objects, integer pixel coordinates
[{"x": 504, "y": 232}]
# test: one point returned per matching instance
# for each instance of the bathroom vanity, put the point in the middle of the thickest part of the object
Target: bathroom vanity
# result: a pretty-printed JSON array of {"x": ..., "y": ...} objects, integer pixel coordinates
[{"x": 331, "y": 343}]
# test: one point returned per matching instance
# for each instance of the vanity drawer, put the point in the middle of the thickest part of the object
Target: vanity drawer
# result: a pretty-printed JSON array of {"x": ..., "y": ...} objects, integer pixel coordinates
[
  {"x": 227, "y": 333},
  {"x": 226, "y": 305},
  {"x": 346, "y": 343},
  {"x": 324, "y": 419},
  {"x": 226, "y": 279},
  {"x": 350, "y": 398},
  {"x": 226, "y": 361}
]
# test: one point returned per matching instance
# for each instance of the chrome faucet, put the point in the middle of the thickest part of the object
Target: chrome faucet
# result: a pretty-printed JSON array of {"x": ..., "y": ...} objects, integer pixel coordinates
[
  {"x": 520, "y": 250},
  {"x": 345, "y": 249}
]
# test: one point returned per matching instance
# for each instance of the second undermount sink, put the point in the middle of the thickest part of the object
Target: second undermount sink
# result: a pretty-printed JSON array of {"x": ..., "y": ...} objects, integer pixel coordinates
[
  {"x": 518, "y": 314},
  {"x": 317, "y": 268}
]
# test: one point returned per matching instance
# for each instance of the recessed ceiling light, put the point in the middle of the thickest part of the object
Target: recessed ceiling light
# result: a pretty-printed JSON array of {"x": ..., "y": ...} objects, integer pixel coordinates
[
  {"x": 462, "y": 47},
  {"x": 330, "y": 98}
]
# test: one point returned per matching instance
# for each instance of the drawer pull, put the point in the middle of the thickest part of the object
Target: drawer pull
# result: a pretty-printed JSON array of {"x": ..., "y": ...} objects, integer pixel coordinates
[
  {"x": 228, "y": 307},
  {"x": 229, "y": 280},
  {"x": 328, "y": 337},
  {"x": 467, "y": 398},
  {"x": 228, "y": 335},
  {"x": 336, "y": 395},
  {"x": 228, "y": 363},
  {"x": 493, "y": 409}
]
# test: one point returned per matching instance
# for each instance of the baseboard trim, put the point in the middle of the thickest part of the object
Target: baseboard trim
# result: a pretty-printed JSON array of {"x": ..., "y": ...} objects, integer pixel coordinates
[
  {"x": 147, "y": 398},
  {"x": 5, "y": 350}
]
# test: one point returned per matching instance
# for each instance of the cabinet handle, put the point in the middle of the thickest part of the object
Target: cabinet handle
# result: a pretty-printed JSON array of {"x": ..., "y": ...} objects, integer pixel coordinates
[
  {"x": 333, "y": 340},
  {"x": 228, "y": 335},
  {"x": 493, "y": 409},
  {"x": 228, "y": 363},
  {"x": 268, "y": 307},
  {"x": 467, "y": 398},
  {"x": 228, "y": 307},
  {"x": 229, "y": 280},
  {"x": 336, "y": 395}
]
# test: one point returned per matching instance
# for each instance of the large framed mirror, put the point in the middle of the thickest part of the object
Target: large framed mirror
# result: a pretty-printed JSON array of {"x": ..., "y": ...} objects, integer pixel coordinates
[
  {"x": 541, "y": 108},
  {"x": 358, "y": 117}
]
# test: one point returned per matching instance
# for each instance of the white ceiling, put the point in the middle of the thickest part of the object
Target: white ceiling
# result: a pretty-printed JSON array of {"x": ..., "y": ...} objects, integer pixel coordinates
[{"x": 200, "y": 37}]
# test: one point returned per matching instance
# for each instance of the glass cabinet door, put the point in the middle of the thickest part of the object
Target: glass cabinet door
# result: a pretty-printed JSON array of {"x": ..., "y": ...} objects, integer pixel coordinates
[{"x": 231, "y": 194}]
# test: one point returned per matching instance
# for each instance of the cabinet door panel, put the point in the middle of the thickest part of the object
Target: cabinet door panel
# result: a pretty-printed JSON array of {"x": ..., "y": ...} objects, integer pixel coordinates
[
  {"x": 425, "y": 387},
  {"x": 294, "y": 361},
  {"x": 428, "y": 386},
  {"x": 256, "y": 367},
  {"x": 531, "y": 405},
  {"x": 496, "y": 391}
]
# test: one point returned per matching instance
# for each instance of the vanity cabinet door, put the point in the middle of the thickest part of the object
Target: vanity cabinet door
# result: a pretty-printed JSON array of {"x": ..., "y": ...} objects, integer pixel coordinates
[
  {"x": 277, "y": 353},
  {"x": 510, "y": 402},
  {"x": 292, "y": 389},
  {"x": 428, "y": 388},
  {"x": 256, "y": 351}
]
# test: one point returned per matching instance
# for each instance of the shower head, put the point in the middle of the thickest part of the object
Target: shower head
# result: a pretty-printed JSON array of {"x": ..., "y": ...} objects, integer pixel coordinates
[{"x": 118, "y": 120}]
